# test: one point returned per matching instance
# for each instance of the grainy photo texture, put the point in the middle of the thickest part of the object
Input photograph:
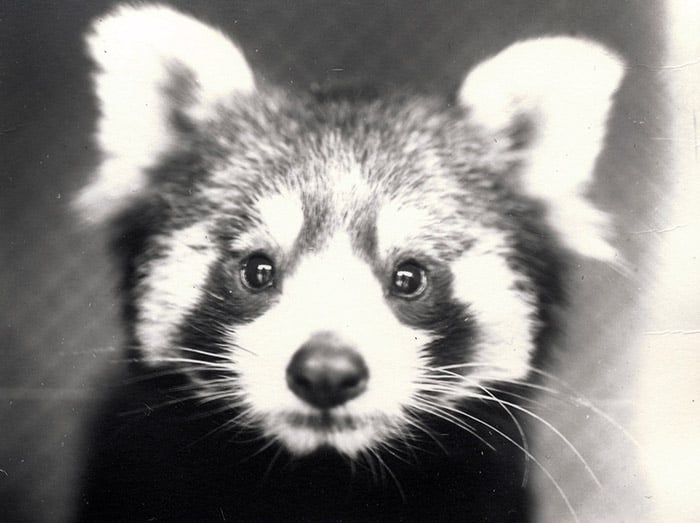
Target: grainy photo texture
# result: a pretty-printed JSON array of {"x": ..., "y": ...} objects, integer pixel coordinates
[{"x": 394, "y": 261}]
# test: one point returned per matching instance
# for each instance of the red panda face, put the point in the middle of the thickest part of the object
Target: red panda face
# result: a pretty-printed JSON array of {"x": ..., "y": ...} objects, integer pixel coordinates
[
  {"x": 331, "y": 296},
  {"x": 334, "y": 272},
  {"x": 363, "y": 276}
]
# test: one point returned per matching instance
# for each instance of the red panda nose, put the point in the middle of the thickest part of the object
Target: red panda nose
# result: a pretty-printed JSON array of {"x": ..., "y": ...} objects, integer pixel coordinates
[{"x": 325, "y": 373}]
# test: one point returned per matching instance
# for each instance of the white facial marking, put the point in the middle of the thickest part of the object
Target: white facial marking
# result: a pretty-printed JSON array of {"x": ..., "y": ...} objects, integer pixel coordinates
[
  {"x": 172, "y": 287},
  {"x": 504, "y": 314},
  {"x": 331, "y": 290},
  {"x": 283, "y": 216}
]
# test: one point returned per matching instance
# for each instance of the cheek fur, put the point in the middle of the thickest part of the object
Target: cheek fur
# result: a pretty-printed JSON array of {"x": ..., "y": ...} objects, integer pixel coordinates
[
  {"x": 505, "y": 314},
  {"x": 173, "y": 285}
]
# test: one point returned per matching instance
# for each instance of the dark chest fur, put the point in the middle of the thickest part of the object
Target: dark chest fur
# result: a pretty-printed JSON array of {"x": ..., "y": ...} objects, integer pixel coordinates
[{"x": 174, "y": 463}]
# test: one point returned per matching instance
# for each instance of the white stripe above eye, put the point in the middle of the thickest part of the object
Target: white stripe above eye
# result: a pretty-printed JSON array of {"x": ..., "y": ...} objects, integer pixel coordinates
[{"x": 283, "y": 216}]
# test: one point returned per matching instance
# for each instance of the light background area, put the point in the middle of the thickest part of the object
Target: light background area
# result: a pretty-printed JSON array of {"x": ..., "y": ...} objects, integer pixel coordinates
[
  {"x": 59, "y": 330},
  {"x": 668, "y": 418}
]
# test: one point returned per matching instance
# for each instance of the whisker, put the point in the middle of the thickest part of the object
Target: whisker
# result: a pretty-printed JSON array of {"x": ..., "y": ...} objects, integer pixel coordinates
[
  {"x": 365, "y": 458},
  {"x": 521, "y": 397},
  {"x": 578, "y": 399},
  {"x": 160, "y": 373},
  {"x": 389, "y": 449},
  {"x": 439, "y": 412},
  {"x": 544, "y": 469},
  {"x": 203, "y": 363},
  {"x": 269, "y": 442},
  {"x": 425, "y": 430},
  {"x": 210, "y": 383},
  {"x": 504, "y": 404},
  {"x": 386, "y": 467},
  {"x": 428, "y": 387},
  {"x": 519, "y": 427},
  {"x": 270, "y": 466},
  {"x": 573, "y": 397},
  {"x": 200, "y": 352},
  {"x": 404, "y": 438},
  {"x": 453, "y": 366}
]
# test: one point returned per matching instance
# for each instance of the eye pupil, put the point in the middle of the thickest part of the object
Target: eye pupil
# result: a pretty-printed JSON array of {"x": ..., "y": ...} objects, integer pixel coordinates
[
  {"x": 409, "y": 280},
  {"x": 257, "y": 272},
  {"x": 405, "y": 280}
]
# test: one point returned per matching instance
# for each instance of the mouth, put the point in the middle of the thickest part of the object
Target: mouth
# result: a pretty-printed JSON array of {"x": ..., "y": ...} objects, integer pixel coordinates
[
  {"x": 324, "y": 421},
  {"x": 306, "y": 432}
]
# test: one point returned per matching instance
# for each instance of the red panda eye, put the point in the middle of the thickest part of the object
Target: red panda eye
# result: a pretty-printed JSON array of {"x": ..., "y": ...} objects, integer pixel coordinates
[
  {"x": 257, "y": 272},
  {"x": 409, "y": 280}
]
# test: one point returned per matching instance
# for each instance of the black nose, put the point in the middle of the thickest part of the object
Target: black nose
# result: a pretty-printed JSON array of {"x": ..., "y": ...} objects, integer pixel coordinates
[{"x": 326, "y": 373}]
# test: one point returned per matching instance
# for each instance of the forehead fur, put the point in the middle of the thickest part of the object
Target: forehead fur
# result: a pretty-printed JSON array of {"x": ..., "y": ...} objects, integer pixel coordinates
[{"x": 342, "y": 162}]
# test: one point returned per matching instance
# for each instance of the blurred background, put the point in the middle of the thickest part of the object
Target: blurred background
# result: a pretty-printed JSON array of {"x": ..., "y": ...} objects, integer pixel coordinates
[{"x": 59, "y": 325}]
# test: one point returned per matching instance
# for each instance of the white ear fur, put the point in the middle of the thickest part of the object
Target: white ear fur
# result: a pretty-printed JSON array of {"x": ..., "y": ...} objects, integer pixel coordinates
[
  {"x": 564, "y": 86},
  {"x": 140, "y": 51}
]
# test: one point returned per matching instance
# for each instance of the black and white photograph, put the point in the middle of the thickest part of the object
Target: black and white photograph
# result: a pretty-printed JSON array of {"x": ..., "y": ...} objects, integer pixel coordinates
[{"x": 349, "y": 261}]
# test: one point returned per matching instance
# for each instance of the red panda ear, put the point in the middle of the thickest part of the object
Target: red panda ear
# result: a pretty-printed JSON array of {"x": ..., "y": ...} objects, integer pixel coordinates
[
  {"x": 144, "y": 54},
  {"x": 563, "y": 88}
]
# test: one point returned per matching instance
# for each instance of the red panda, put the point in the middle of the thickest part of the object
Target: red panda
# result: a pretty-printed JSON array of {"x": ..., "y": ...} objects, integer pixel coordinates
[{"x": 334, "y": 303}]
